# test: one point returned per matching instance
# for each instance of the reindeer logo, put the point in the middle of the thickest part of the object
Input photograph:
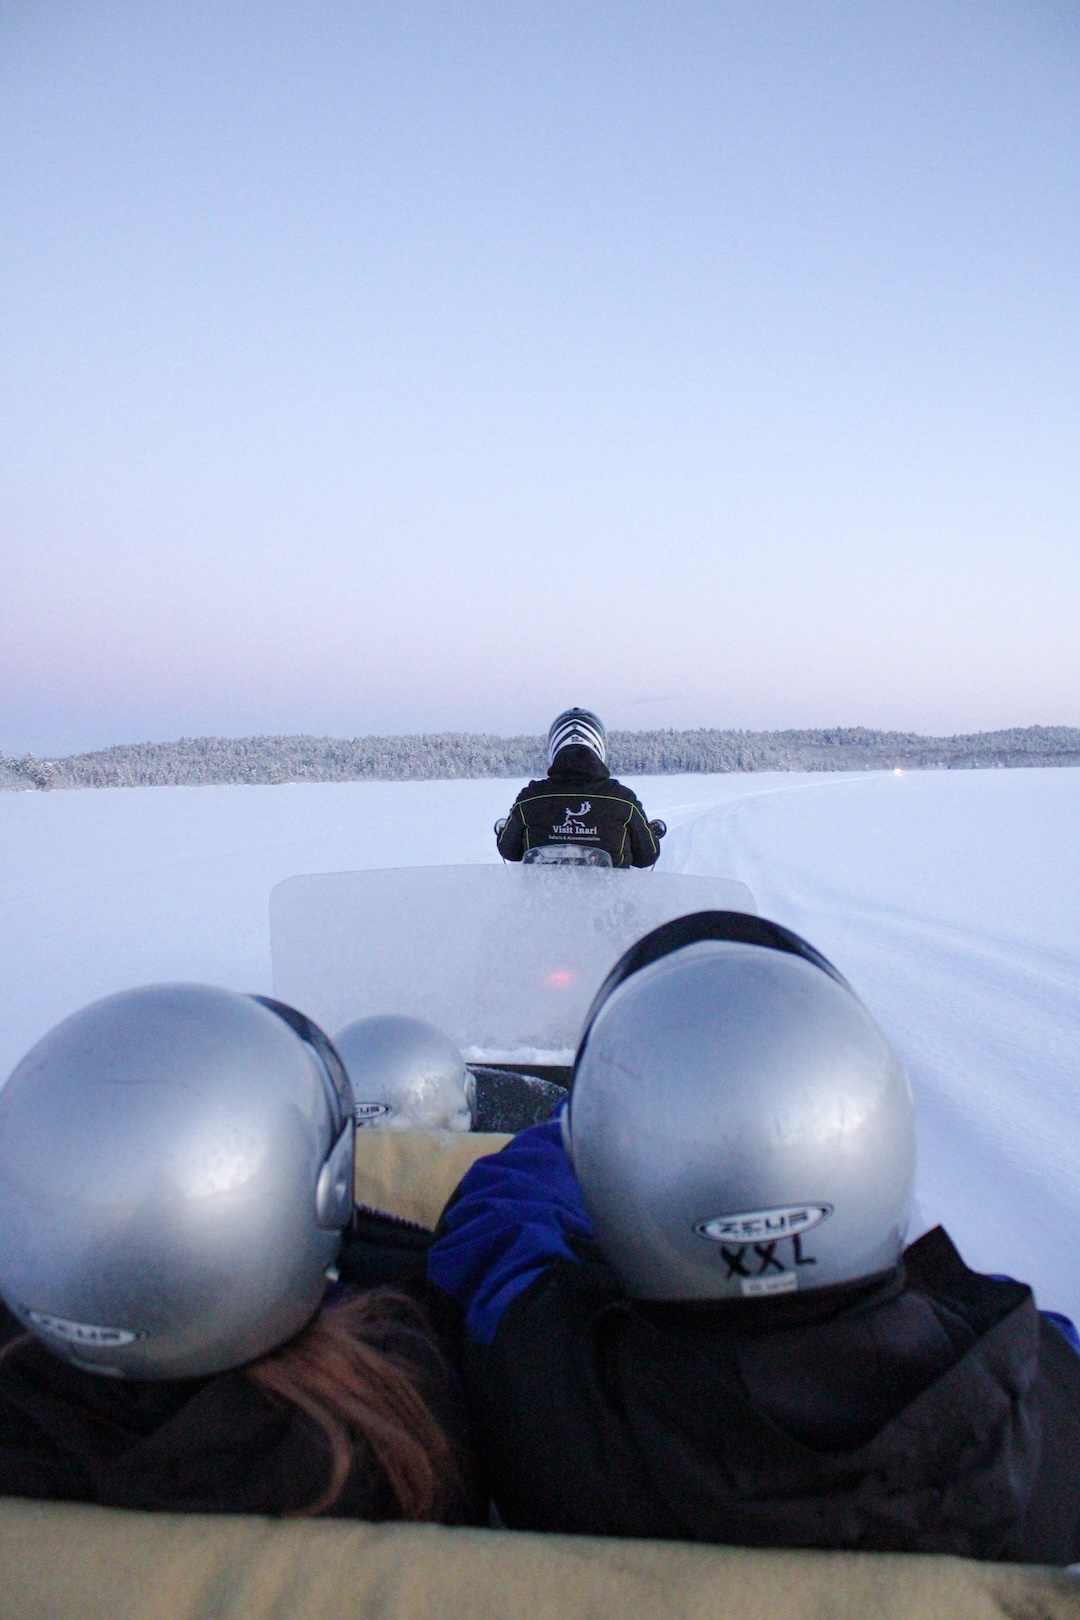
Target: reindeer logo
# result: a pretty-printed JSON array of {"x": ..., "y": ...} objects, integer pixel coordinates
[{"x": 574, "y": 823}]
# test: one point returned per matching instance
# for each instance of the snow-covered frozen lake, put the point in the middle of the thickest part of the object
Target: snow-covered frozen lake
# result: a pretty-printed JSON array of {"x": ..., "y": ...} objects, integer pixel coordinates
[{"x": 951, "y": 900}]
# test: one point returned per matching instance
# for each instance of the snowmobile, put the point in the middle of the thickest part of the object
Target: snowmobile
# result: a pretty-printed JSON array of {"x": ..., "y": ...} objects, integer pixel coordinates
[{"x": 506, "y": 962}]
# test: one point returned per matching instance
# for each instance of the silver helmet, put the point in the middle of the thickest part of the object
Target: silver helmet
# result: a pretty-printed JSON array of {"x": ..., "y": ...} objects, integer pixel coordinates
[
  {"x": 175, "y": 1173},
  {"x": 738, "y": 1124},
  {"x": 577, "y": 726},
  {"x": 406, "y": 1074}
]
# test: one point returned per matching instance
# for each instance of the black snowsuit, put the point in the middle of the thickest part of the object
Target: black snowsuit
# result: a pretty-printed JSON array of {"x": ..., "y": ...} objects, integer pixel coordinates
[
  {"x": 579, "y": 802},
  {"x": 933, "y": 1410},
  {"x": 942, "y": 1418},
  {"x": 220, "y": 1444}
]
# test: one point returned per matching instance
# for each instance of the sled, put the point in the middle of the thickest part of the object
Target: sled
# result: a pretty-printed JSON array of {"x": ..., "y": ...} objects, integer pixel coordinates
[
  {"x": 68, "y": 1562},
  {"x": 89, "y": 1563},
  {"x": 506, "y": 962},
  {"x": 75, "y": 1562}
]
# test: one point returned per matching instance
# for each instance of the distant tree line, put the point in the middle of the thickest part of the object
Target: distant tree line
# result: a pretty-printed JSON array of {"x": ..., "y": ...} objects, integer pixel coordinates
[{"x": 200, "y": 761}]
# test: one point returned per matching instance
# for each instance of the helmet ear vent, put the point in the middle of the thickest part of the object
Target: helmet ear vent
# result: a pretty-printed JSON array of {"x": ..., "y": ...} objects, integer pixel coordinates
[
  {"x": 334, "y": 1188},
  {"x": 567, "y": 1132}
]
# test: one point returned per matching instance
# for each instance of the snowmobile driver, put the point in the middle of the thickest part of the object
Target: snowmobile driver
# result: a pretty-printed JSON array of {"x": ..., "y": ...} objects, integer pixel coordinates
[
  {"x": 687, "y": 1307},
  {"x": 579, "y": 803}
]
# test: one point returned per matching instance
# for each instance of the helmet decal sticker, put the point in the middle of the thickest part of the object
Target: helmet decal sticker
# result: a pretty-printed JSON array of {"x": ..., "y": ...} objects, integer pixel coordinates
[
  {"x": 367, "y": 1111},
  {"x": 84, "y": 1333},
  {"x": 759, "y": 1287},
  {"x": 760, "y": 1224}
]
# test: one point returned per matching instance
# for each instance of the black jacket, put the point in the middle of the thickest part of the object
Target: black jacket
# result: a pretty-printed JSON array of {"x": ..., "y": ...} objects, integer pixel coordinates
[
  {"x": 934, "y": 1412},
  {"x": 579, "y": 802},
  {"x": 205, "y": 1445}
]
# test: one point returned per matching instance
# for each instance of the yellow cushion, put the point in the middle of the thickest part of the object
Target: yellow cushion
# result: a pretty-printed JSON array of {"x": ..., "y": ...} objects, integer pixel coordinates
[
  {"x": 65, "y": 1562},
  {"x": 412, "y": 1174}
]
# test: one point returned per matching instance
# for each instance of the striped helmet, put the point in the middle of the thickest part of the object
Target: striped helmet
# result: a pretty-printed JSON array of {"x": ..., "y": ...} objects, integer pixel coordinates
[{"x": 577, "y": 726}]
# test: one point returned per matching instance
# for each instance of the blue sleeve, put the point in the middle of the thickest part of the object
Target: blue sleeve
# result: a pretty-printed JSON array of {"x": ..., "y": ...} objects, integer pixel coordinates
[
  {"x": 511, "y": 1219},
  {"x": 1064, "y": 1326}
]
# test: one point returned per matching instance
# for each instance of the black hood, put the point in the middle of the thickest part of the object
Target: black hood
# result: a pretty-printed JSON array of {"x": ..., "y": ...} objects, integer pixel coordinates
[
  {"x": 929, "y": 1442},
  {"x": 575, "y": 762}
]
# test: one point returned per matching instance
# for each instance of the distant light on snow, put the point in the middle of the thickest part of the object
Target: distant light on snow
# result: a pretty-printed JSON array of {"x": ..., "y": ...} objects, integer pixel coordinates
[{"x": 897, "y": 771}]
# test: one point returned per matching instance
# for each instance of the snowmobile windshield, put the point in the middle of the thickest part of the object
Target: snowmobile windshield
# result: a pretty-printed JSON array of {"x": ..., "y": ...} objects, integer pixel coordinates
[{"x": 505, "y": 960}]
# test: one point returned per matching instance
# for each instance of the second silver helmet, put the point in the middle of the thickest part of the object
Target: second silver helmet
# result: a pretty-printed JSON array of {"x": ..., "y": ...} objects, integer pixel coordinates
[
  {"x": 405, "y": 1074},
  {"x": 738, "y": 1123},
  {"x": 175, "y": 1173}
]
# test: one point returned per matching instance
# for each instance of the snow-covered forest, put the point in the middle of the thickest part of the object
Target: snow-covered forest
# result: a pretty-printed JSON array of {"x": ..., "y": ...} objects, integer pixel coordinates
[{"x": 205, "y": 761}]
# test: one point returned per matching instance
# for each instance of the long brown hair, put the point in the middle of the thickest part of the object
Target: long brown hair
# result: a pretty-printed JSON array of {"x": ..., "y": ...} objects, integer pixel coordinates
[
  {"x": 14, "y": 1344},
  {"x": 360, "y": 1395}
]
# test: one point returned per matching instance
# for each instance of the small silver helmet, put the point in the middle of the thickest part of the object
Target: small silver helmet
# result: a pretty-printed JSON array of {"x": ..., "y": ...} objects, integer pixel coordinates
[
  {"x": 175, "y": 1173},
  {"x": 738, "y": 1124},
  {"x": 405, "y": 1074},
  {"x": 577, "y": 726}
]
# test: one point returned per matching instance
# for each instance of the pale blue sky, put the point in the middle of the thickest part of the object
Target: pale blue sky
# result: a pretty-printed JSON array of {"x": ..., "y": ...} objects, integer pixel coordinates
[{"x": 394, "y": 367}]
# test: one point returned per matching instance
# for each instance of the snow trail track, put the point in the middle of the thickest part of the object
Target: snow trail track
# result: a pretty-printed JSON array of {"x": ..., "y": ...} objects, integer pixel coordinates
[{"x": 951, "y": 900}]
